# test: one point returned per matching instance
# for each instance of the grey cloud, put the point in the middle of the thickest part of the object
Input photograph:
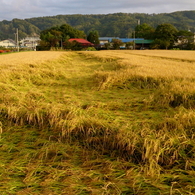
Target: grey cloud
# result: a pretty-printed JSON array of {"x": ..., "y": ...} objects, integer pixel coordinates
[{"x": 27, "y": 8}]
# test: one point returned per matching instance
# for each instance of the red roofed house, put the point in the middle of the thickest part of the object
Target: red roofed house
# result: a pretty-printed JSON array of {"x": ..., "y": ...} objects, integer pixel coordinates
[{"x": 83, "y": 42}]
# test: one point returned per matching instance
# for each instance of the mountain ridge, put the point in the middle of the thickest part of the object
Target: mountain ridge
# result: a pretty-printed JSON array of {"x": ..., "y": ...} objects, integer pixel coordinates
[{"x": 113, "y": 24}]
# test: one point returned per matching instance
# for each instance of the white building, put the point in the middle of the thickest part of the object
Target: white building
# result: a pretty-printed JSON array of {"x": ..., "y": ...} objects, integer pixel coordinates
[
  {"x": 8, "y": 43},
  {"x": 30, "y": 42}
]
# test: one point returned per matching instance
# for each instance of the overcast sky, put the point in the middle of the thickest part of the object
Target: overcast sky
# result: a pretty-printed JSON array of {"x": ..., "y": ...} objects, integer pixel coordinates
[{"x": 22, "y": 9}]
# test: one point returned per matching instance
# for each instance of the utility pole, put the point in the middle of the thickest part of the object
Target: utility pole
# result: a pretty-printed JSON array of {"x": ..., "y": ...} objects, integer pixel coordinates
[
  {"x": 134, "y": 40},
  {"x": 17, "y": 44},
  {"x": 138, "y": 22}
]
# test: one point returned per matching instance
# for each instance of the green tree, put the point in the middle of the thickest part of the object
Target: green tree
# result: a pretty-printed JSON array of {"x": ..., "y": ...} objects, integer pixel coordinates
[
  {"x": 167, "y": 34},
  {"x": 51, "y": 37},
  {"x": 185, "y": 39},
  {"x": 93, "y": 37},
  {"x": 54, "y": 36},
  {"x": 116, "y": 43},
  {"x": 144, "y": 31},
  {"x": 129, "y": 45},
  {"x": 108, "y": 45},
  {"x": 70, "y": 32},
  {"x": 74, "y": 45},
  {"x": 160, "y": 44}
]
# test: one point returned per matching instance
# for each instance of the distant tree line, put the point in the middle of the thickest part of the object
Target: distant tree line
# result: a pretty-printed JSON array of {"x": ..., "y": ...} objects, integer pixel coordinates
[
  {"x": 165, "y": 36},
  {"x": 114, "y": 25}
]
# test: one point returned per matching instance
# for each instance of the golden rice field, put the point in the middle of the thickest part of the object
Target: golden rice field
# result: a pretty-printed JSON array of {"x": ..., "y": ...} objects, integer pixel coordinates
[
  {"x": 97, "y": 122},
  {"x": 28, "y": 58},
  {"x": 155, "y": 63}
]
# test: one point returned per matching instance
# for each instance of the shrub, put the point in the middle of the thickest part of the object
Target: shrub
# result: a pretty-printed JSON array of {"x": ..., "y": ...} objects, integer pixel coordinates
[{"x": 91, "y": 49}]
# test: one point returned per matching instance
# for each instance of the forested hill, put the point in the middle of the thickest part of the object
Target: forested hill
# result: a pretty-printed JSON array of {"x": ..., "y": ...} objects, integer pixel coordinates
[{"x": 118, "y": 24}]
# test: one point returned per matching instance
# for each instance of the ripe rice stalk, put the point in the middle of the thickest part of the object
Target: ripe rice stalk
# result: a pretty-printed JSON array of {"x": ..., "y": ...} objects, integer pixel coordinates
[
  {"x": 152, "y": 168},
  {"x": 62, "y": 120},
  {"x": 127, "y": 140},
  {"x": 152, "y": 66},
  {"x": 176, "y": 142},
  {"x": 99, "y": 57},
  {"x": 186, "y": 118},
  {"x": 32, "y": 58},
  {"x": 128, "y": 79},
  {"x": 153, "y": 146},
  {"x": 170, "y": 95},
  {"x": 144, "y": 82},
  {"x": 103, "y": 79},
  {"x": 89, "y": 127},
  {"x": 1, "y": 129}
]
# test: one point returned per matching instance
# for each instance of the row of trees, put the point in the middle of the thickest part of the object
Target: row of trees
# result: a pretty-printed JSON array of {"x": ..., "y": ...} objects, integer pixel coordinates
[
  {"x": 165, "y": 36},
  {"x": 58, "y": 37}
]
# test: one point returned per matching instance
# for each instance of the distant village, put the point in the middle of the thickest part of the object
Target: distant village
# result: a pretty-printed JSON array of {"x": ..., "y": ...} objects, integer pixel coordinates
[{"x": 31, "y": 42}]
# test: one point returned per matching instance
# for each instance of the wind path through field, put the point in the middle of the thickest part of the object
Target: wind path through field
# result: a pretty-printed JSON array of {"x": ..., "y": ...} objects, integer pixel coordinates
[{"x": 103, "y": 122}]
